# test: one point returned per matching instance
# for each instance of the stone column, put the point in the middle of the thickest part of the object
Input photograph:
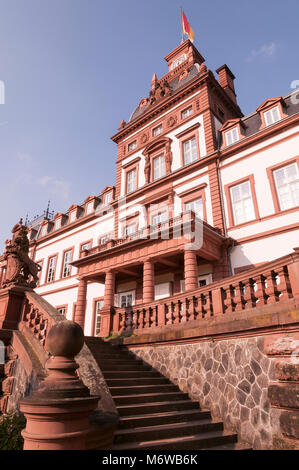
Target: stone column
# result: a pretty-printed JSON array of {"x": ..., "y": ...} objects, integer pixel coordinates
[
  {"x": 148, "y": 281},
  {"x": 109, "y": 289},
  {"x": 81, "y": 303},
  {"x": 191, "y": 270},
  {"x": 58, "y": 412}
]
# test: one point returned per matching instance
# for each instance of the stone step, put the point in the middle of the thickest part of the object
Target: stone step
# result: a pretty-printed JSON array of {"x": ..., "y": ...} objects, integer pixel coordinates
[
  {"x": 128, "y": 366},
  {"x": 197, "y": 441},
  {"x": 128, "y": 382},
  {"x": 149, "y": 398},
  {"x": 162, "y": 418},
  {"x": 142, "y": 389},
  {"x": 166, "y": 431},
  {"x": 119, "y": 363},
  {"x": 137, "y": 409},
  {"x": 130, "y": 374}
]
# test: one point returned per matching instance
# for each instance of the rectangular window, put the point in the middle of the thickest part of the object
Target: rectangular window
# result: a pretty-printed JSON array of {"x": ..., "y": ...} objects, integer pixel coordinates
[
  {"x": 157, "y": 130},
  {"x": 287, "y": 186},
  {"x": 61, "y": 310},
  {"x": 104, "y": 239},
  {"x": 231, "y": 136},
  {"x": 159, "y": 218},
  {"x": 131, "y": 181},
  {"x": 72, "y": 217},
  {"x": 189, "y": 151},
  {"x": 85, "y": 246},
  {"x": 108, "y": 198},
  {"x": 159, "y": 167},
  {"x": 57, "y": 224},
  {"x": 195, "y": 206},
  {"x": 129, "y": 230},
  {"x": 162, "y": 290},
  {"x": 89, "y": 208},
  {"x": 67, "y": 258},
  {"x": 51, "y": 269},
  {"x": 242, "y": 203},
  {"x": 132, "y": 146},
  {"x": 98, "y": 308},
  {"x": 272, "y": 116},
  {"x": 126, "y": 299},
  {"x": 187, "y": 112}
]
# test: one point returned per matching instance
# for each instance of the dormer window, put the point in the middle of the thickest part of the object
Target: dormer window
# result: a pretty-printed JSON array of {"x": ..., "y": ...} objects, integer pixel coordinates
[
  {"x": 272, "y": 116},
  {"x": 132, "y": 146},
  {"x": 178, "y": 61},
  {"x": 89, "y": 208},
  {"x": 72, "y": 217},
  {"x": 231, "y": 136},
  {"x": 108, "y": 198},
  {"x": 57, "y": 224}
]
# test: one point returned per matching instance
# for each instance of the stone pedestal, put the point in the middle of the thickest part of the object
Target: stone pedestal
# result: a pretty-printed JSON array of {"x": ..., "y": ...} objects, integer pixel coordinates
[
  {"x": 11, "y": 303},
  {"x": 58, "y": 412}
]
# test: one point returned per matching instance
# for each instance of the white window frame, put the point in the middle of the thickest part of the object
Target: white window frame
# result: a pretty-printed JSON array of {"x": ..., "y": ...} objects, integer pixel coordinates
[
  {"x": 89, "y": 208},
  {"x": 132, "y": 145},
  {"x": 131, "y": 183},
  {"x": 98, "y": 315},
  {"x": 51, "y": 269},
  {"x": 157, "y": 130},
  {"x": 244, "y": 217},
  {"x": 162, "y": 217},
  {"x": 205, "y": 277},
  {"x": 57, "y": 224},
  {"x": 200, "y": 213},
  {"x": 130, "y": 229},
  {"x": 127, "y": 293},
  {"x": 72, "y": 217},
  {"x": 231, "y": 136},
  {"x": 66, "y": 267},
  {"x": 187, "y": 112},
  {"x": 108, "y": 198},
  {"x": 158, "y": 169},
  {"x": 159, "y": 287},
  {"x": 104, "y": 239},
  {"x": 190, "y": 151},
  {"x": 289, "y": 185},
  {"x": 85, "y": 246},
  {"x": 61, "y": 310},
  {"x": 272, "y": 115}
]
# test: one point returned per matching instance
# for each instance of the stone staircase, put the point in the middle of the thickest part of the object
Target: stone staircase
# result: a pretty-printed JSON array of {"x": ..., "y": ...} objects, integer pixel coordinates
[{"x": 154, "y": 413}]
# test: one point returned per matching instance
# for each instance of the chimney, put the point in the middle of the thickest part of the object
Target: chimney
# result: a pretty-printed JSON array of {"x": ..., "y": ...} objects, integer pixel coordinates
[{"x": 226, "y": 80}]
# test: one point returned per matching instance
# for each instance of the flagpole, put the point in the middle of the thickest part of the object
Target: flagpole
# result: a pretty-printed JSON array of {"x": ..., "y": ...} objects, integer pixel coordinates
[{"x": 182, "y": 26}]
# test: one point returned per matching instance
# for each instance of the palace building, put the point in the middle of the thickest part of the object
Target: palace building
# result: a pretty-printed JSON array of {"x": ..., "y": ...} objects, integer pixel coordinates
[{"x": 186, "y": 158}]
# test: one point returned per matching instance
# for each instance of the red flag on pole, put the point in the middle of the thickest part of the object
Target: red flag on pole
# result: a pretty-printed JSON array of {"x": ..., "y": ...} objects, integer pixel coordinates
[{"x": 186, "y": 28}]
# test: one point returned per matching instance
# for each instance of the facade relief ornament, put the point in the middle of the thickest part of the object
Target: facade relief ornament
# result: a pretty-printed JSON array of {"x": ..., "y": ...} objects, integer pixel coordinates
[
  {"x": 144, "y": 138},
  {"x": 19, "y": 266},
  {"x": 172, "y": 120}
]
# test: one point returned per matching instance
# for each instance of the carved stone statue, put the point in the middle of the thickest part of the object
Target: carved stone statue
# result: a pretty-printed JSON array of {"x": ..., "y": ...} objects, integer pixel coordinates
[
  {"x": 19, "y": 266},
  {"x": 147, "y": 169}
]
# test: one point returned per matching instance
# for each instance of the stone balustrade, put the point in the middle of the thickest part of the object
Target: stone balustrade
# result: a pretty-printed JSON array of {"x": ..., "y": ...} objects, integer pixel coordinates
[{"x": 271, "y": 283}]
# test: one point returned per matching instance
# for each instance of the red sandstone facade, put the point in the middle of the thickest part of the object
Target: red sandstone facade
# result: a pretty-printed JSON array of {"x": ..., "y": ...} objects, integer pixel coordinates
[{"x": 186, "y": 155}]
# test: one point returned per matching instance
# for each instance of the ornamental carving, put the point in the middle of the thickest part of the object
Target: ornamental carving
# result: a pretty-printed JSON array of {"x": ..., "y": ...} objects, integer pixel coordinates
[
  {"x": 159, "y": 91},
  {"x": 172, "y": 121},
  {"x": 144, "y": 138},
  {"x": 19, "y": 266}
]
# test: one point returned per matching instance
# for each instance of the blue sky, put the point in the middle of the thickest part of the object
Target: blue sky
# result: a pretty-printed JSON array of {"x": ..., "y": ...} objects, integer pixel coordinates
[{"x": 73, "y": 69}]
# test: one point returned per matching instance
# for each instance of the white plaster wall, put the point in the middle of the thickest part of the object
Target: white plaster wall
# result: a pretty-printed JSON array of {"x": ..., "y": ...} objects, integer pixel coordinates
[{"x": 264, "y": 250}]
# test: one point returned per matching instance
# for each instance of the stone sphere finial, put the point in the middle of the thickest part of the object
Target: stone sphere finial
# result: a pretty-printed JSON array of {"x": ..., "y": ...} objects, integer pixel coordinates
[{"x": 66, "y": 338}]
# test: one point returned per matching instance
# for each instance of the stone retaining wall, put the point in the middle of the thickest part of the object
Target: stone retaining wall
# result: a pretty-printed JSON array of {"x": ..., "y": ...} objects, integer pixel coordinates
[{"x": 229, "y": 377}]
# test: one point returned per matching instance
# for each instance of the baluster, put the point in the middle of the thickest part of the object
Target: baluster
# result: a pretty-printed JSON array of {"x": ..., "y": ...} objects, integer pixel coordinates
[
  {"x": 271, "y": 289},
  {"x": 176, "y": 312},
  {"x": 146, "y": 318},
  {"x": 284, "y": 286},
  {"x": 122, "y": 321},
  {"x": 201, "y": 302},
  {"x": 228, "y": 294},
  {"x": 191, "y": 309},
  {"x": 249, "y": 298},
  {"x": 260, "y": 291},
  {"x": 239, "y": 297},
  {"x": 184, "y": 311},
  {"x": 135, "y": 319},
  {"x": 209, "y": 304},
  {"x": 168, "y": 313}
]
